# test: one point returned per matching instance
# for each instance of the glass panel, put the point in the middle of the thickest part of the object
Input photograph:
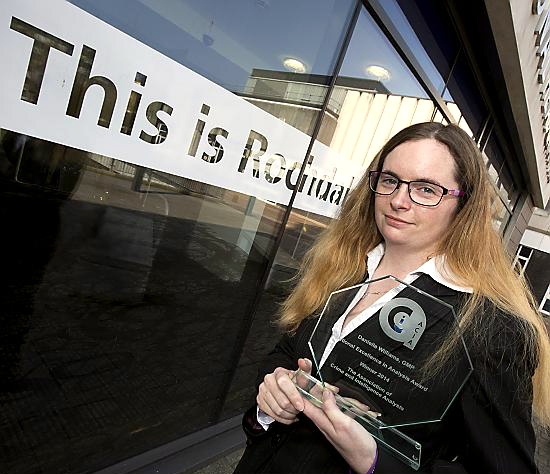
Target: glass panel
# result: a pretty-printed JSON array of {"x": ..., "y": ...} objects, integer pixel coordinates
[
  {"x": 436, "y": 37},
  {"x": 300, "y": 233},
  {"x": 372, "y": 60},
  {"x": 143, "y": 202},
  {"x": 457, "y": 115},
  {"x": 372, "y": 111},
  {"x": 104, "y": 317},
  {"x": 501, "y": 216}
]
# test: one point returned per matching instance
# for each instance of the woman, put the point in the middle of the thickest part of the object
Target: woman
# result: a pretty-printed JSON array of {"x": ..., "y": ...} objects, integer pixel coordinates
[{"x": 424, "y": 215}]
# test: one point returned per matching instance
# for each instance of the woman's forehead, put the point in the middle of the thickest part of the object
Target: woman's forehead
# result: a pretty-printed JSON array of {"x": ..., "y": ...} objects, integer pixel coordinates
[{"x": 416, "y": 159}]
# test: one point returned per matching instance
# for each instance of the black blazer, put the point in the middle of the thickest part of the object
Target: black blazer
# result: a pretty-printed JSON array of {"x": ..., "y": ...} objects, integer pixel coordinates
[{"x": 487, "y": 429}]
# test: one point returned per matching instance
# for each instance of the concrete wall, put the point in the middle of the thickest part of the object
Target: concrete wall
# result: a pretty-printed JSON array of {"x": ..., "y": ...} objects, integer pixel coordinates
[{"x": 513, "y": 25}]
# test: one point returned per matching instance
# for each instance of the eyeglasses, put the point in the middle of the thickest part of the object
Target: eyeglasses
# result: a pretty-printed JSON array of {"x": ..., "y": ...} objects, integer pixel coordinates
[{"x": 420, "y": 192}]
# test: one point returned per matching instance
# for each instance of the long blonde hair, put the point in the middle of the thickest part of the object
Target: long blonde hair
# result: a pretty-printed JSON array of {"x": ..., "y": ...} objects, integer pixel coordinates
[{"x": 473, "y": 250}]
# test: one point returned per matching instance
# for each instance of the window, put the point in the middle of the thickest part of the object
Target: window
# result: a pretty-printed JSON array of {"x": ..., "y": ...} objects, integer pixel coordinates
[{"x": 135, "y": 247}]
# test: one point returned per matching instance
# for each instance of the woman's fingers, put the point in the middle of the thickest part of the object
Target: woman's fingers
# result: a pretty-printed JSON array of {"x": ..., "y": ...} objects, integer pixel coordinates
[
  {"x": 305, "y": 364},
  {"x": 331, "y": 410},
  {"x": 357, "y": 404},
  {"x": 332, "y": 388},
  {"x": 284, "y": 391},
  {"x": 269, "y": 405},
  {"x": 328, "y": 417},
  {"x": 278, "y": 397},
  {"x": 320, "y": 418},
  {"x": 353, "y": 442}
]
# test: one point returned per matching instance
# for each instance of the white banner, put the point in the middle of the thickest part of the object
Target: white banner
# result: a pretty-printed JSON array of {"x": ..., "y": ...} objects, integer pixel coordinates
[{"x": 70, "y": 78}]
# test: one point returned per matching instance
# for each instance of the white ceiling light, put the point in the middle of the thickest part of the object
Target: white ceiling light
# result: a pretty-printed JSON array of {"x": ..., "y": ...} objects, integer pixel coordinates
[
  {"x": 378, "y": 72},
  {"x": 294, "y": 65}
]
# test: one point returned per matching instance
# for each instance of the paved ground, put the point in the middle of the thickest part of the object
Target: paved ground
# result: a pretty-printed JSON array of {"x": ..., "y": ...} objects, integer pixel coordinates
[{"x": 224, "y": 465}]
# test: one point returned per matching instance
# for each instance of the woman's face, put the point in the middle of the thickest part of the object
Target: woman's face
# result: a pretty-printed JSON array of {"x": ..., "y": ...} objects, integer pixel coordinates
[{"x": 404, "y": 223}]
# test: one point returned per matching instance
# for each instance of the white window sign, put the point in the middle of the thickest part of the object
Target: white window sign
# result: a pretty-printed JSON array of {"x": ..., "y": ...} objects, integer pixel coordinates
[{"x": 69, "y": 78}]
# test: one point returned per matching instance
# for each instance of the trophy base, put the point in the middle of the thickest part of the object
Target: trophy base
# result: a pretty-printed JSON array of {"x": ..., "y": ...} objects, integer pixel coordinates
[{"x": 399, "y": 444}]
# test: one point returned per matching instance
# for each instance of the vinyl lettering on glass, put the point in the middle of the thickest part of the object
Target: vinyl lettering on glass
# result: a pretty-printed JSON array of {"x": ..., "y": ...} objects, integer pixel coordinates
[{"x": 95, "y": 88}]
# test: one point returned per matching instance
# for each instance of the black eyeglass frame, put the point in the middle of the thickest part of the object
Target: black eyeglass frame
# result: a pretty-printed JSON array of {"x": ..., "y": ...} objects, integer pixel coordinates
[{"x": 376, "y": 175}]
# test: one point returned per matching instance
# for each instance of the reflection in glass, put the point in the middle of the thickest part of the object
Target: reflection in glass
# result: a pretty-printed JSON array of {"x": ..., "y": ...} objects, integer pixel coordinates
[
  {"x": 224, "y": 41},
  {"x": 370, "y": 47},
  {"x": 123, "y": 282},
  {"x": 131, "y": 289},
  {"x": 369, "y": 111},
  {"x": 401, "y": 24}
]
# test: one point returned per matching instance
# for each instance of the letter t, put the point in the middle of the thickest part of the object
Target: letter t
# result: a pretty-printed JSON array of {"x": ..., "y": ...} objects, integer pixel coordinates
[{"x": 41, "y": 46}]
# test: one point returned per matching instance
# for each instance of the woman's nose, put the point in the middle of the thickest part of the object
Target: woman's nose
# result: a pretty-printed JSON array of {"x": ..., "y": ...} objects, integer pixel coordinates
[{"x": 400, "y": 198}]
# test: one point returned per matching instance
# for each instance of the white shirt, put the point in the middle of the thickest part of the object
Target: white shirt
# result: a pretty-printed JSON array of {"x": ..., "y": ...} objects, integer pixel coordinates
[{"x": 435, "y": 267}]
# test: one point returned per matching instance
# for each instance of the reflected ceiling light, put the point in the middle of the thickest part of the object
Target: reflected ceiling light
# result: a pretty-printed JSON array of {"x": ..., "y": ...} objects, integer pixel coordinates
[
  {"x": 294, "y": 65},
  {"x": 378, "y": 72}
]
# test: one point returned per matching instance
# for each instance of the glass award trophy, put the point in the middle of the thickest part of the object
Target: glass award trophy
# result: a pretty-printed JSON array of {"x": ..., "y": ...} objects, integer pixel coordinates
[{"x": 381, "y": 371}]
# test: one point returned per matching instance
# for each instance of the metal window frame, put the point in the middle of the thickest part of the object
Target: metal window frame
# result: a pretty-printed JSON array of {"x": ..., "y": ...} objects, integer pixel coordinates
[
  {"x": 521, "y": 258},
  {"x": 545, "y": 298}
]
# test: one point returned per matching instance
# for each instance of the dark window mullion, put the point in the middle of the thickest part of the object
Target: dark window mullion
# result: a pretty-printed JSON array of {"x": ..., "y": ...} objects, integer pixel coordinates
[{"x": 398, "y": 42}]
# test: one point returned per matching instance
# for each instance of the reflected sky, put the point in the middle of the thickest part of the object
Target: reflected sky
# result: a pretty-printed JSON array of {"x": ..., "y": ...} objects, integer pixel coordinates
[{"x": 224, "y": 40}]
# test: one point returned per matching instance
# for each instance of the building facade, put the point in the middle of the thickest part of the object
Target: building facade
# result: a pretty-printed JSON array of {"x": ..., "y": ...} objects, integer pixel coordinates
[{"x": 164, "y": 166}]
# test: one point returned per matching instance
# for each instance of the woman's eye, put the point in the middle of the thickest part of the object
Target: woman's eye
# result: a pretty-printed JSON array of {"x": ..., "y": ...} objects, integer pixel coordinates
[
  {"x": 391, "y": 181},
  {"x": 425, "y": 188}
]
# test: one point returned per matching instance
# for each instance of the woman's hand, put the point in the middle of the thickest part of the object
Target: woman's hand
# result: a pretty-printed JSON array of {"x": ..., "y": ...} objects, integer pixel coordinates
[
  {"x": 352, "y": 441},
  {"x": 278, "y": 397}
]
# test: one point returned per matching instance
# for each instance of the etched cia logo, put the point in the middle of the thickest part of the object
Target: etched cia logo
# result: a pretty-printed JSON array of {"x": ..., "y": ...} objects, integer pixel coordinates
[{"x": 403, "y": 320}]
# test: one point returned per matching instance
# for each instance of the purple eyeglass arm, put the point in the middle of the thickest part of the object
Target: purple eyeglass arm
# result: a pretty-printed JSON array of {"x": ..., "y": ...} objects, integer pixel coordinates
[{"x": 456, "y": 192}]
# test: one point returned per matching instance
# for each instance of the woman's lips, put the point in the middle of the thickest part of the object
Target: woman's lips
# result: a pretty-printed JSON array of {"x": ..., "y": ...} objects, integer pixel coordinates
[{"x": 395, "y": 221}]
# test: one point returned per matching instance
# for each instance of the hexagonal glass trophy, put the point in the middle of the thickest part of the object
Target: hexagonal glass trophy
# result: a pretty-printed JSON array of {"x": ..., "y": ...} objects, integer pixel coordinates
[{"x": 382, "y": 371}]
